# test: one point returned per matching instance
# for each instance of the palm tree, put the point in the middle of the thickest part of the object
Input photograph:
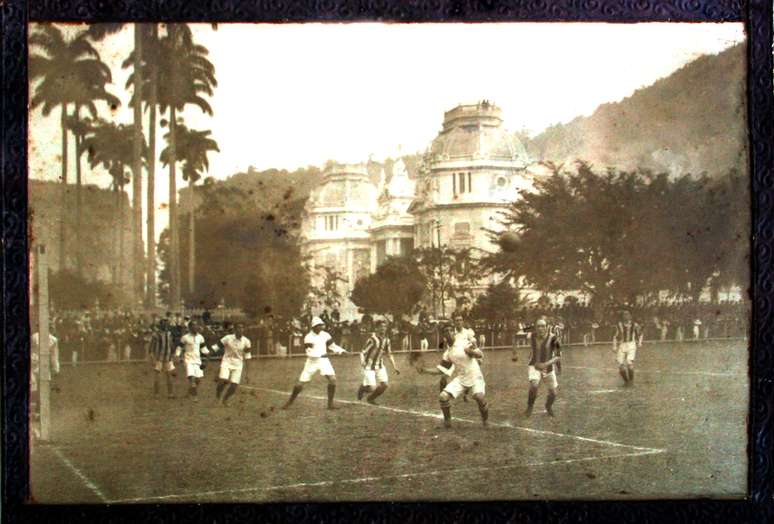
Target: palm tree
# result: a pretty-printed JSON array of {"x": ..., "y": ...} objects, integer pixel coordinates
[
  {"x": 184, "y": 75},
  {"x": 69, "y": 72},
  {"x": 142, "y": 33},
  {"x": 192, "y": 148},
  {"x": 112, "y": 146}
]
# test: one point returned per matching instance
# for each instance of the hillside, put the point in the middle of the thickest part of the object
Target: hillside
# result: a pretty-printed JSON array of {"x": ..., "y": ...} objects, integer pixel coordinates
[{"x": 693, "y": 121}]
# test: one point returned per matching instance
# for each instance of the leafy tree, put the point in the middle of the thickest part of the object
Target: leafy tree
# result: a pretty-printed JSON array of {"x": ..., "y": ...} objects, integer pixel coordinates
[
  {"x": 618, "y": 236},
  {"x": 395, "y": 288},
  {"x": 448, "y": 274},
  {"x": 499, "y": 300},
  {"x": 251, "y": 258},
  {"x": 328, "y": 293},
  {"x": 68, "y": 290}
]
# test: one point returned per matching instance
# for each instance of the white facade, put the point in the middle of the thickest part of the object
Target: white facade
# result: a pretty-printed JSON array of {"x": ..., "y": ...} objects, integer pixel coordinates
[
  {"x": 470, "y": 172},
  {"x": 335, "y": 228}
]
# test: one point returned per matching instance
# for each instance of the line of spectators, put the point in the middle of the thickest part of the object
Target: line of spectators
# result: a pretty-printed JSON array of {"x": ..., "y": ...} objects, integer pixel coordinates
[{"x": 119, "y": 335}]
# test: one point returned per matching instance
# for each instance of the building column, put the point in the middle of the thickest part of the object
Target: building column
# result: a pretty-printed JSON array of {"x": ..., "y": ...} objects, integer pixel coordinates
[{"x": 373, "y": 255}]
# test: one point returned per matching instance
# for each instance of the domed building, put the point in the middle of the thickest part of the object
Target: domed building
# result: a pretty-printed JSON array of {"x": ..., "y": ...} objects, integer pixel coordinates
[
  {"x": 473, "y": 168},
  {"x": 470, "y": 172},
  {"x": 335, "y": 229}
]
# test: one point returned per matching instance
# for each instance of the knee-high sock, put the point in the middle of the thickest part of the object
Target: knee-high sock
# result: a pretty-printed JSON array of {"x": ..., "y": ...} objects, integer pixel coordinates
[
  {"x": 624, "y": 374},
  {"x": 331, "y": 394},
  {"x": 156, "y": 383},
  {"x": 219, "y": 388},
  {"x": 446, "y": 410},
  {"x": 230, "y": 391},
  {"x": 631, "y": 374},
  {"x": 293, "y": 394},
  {"x": 381, "y": 388},
  {"x": 550, "y": 399},
  {"x": 531, "y": 396},
  {"x": 483, "y": 408}
]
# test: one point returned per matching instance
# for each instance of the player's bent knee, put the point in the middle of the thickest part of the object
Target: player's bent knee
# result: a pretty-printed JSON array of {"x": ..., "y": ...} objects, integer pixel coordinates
[
  {"x": 534, "y": 384},
  {"x": 444, "y": 397}
]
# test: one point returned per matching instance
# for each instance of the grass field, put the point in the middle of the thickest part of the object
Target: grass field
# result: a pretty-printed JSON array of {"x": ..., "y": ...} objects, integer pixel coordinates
[{"x": 679, "y": 432}]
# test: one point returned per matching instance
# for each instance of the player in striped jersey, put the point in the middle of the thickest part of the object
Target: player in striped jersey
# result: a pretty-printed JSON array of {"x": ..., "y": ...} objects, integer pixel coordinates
[
  {"x": 626, "y": 340},
  {"x": 372, "y": 360},
  {"x": 545, "y": 355},
  {"x": 161, "y": 350}
]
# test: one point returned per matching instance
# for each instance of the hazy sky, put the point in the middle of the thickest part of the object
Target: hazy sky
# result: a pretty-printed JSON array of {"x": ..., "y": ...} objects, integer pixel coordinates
[{"x": 297, "y": 95}]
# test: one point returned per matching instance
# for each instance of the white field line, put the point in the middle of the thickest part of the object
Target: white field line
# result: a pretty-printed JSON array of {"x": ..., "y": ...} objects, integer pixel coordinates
[
  {"x": 600, "y": 391},
  {"x": 361, "y": 480},
  {"x": 663, "y": 371},
  {"x": 78, "y": 473},
  {"x": 470, "y": 421}
]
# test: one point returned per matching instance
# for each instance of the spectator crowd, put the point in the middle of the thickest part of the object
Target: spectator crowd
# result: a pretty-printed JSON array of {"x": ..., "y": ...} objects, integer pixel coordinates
[{"x": 123, "y": 335}]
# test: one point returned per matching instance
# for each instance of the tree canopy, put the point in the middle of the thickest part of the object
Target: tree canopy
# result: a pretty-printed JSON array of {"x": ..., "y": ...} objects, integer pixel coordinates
[
  {"x": 395, "y": 288},
  {"x": 620, "y": 235}
]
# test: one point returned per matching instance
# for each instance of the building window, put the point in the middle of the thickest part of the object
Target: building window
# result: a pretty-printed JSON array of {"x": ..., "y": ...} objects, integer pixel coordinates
[
  {"x": 462, "y": 183},
  {"x": 462, "y": 229},
  {"x": 331, "y": 222}
]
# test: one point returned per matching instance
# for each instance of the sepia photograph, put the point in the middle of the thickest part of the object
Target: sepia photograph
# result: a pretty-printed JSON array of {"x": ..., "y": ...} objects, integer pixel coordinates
[{"x": 388, "y": 262}]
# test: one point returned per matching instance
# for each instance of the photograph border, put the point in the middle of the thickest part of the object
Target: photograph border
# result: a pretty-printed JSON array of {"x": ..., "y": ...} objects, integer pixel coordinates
[{"x": 757, "y": 16}]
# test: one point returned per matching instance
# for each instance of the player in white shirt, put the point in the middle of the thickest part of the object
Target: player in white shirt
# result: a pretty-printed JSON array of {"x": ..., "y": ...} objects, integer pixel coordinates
[
  {"x": 236, "y": 348},
  {"x": 464, "y": 355},
  {"x": 317, "y": 344},
  {"x": 192, "y": 346}
]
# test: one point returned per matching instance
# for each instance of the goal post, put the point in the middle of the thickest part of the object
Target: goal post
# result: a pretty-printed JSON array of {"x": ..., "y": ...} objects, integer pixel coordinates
[{"x": 43, "y": 347}]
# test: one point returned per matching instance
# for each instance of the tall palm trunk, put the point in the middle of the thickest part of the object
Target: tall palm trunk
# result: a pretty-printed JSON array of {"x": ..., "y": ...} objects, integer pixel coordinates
[
  {"x": 174, "y": 239},
  {"x": 78, "y": 193},
  {"x": 62, "y": 233},
  {"x": 121, "y": 254},
  {"x": 151, "y": 234},
  {"x": 191, "y": 237},
  {"x": 137, "y": 255},
  {"x": 116, "y": 253}
]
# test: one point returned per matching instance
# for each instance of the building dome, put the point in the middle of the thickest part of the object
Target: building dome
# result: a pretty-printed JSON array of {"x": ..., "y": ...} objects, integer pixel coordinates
[
  {"x": 475, "y": 132},
  {"x": 344, "y": 186}
]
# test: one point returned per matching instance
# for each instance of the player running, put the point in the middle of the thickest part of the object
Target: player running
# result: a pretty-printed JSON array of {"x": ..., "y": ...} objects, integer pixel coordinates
[
  {"x": 545, "y": 355},
  {"x": 161, "y": 351},
  {"x": 317, "y": 343},
  {"x": 372, "y": 360},
  {"x": 463, "y": 355},
  {"x": 236, "y": 348},
  {"x": 192, "y": 347},
  {"x": 626, "y": 340}
]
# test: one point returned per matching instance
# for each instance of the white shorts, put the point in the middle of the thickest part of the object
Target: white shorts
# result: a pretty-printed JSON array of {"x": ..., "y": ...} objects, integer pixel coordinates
[
  {"x": 373, "y": 376},
  {"x": 313, "y": 365},
  {"x": 627, "y": 351},
  {"x": 539, "y": 376},
  {"x": 230, "y": 371},
  {"x": 455, "y": 388},
  {"x": 194, "y": 370},
  {"x": 168, "y": 366}
]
